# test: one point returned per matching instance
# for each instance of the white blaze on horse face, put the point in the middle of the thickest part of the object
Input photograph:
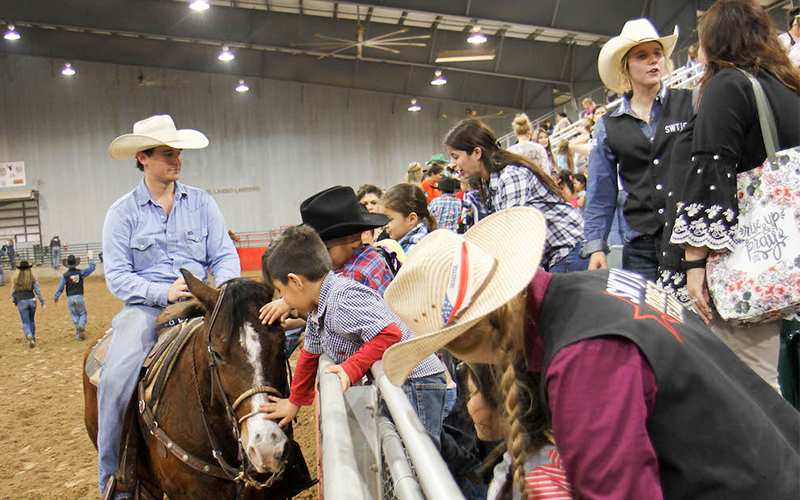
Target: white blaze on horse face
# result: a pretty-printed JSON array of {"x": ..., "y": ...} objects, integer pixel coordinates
[{"x": 263, "y": 439}]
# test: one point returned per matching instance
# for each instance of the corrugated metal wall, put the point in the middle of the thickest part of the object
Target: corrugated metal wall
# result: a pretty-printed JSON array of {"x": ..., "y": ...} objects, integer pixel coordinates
[{"x": 289, "y": 140}]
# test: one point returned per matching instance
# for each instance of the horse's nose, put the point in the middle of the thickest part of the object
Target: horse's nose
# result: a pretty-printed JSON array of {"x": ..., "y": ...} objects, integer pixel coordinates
[
  {"x": 267, "y": 445},
  {"x": 271, "y": 437}
]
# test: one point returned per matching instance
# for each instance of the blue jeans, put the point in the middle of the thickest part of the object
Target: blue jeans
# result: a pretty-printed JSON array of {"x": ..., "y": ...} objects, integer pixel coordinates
[
  {"x": 426, "y": 395},
  {"x": 572, "y": 262},
  {"x": 27, "y": 308},
  {"x": 640, "y": 255},
  {"x": 55, "y": 254},
  {"x": 77, "y": 309},
  {"x": 292, "y": 339},
  {"x": 134, "y": 337}
]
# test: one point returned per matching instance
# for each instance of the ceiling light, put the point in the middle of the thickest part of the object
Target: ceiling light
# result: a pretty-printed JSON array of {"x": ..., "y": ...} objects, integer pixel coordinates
[
  {"x": 414, "y": 106},
  {"x": 476, "y": 37},
  {"x": 225, "y": 55},
  {"x": 242, "y": 87},
  {"x": 439, "y": 79},
  {"x": 68, "y": 70},
  {"x": 11, "y": 34},
  {"x": 464, "y": 55},
  {"x": 199, "y": 5}
]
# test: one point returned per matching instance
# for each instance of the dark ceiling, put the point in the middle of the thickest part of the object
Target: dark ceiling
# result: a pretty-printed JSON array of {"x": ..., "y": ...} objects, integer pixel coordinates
[{"x": 543, "y": 49}]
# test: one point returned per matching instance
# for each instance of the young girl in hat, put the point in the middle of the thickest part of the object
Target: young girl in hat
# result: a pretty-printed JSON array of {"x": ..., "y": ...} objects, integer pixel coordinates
[
  {"x": 23, "y": 288},
  {"x": 406, "y": 205},
  {"x": 643, "y": 400}
]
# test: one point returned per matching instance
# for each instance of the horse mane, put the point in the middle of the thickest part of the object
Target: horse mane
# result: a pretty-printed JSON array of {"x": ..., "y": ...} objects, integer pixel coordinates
[{"x": 240, "y": 296}]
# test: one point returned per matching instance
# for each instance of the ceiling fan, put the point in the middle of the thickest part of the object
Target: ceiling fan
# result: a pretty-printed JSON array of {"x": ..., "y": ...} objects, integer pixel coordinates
[
  {"x": 144, "y": 80},
  {"x": 471, "y": 113},
  {"x": 333, "y": 45}
]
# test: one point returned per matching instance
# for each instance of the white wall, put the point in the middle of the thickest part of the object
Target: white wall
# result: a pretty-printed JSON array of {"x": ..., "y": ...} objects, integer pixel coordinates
[{"x": 291, "y": 140}]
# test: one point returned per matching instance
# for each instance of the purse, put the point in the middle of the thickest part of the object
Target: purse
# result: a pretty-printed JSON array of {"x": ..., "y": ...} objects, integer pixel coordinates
[{"x": 759, "y": 281}]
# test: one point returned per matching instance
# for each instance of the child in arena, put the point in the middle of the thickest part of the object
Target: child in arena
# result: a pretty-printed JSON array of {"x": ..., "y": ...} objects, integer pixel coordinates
[
  {"x": 349, "y": 322},
  {"x": 23, "y": 288},
  {"x": 446, "y": 208},
  {"x": 409, "y": 219},
  {"x": 72, "y": 280}
]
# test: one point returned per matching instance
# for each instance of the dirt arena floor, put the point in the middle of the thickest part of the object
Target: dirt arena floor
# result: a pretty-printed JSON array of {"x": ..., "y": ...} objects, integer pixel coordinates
[{"x": 45, "y": 453}]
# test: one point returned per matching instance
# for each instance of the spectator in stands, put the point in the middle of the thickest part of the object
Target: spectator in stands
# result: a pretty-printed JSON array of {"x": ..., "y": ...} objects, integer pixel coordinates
[
  {"x": 580, "y": 189},
  {"x": 588, "y": 107},
  {"x": 547, "y": 126},
  {"x": 349, "y": 322},
  {"x": 409, "y": 219},
  {"x": 543, "y": 138},
  {"x": 566, "y": 183},
  {"x": 55, "y": 251},
  {"x": 727, "y": 141},
  {"x": 73, "y": 280},
  {"x": 369, "y": 196},
  {"x": 510, "y": 180},
  {"x": 23, "y": 288},
  {"x": 533, "y": 151},
  {"x": 562, "y": 123},
  {"x": 446, "y": 209},
  {"x": 414, "y": 174},
  {"x": 431, "y": 183},
  {"x": 149, "y": 234},
  {"x": 633, "y": 144},
  {"x": 792, "y": 37},
  {"x": 579, "y": 147},
  {"x": 644, "y": 401}
]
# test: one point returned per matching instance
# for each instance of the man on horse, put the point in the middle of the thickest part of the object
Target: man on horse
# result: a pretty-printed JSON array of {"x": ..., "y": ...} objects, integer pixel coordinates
[{"x": 148, "y": 235}]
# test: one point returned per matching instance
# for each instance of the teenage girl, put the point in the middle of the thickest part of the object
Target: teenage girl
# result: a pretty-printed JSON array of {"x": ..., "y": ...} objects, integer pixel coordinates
[
  {"x": 23, "y": 288},
  {"x": 406, "y": 205}
]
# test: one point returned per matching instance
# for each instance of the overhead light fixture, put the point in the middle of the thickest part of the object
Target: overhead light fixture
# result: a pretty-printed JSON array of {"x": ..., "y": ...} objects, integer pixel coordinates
[
  {"x": 414, "y": 106},
  {"x": 476, "y": 37},
  {"x": 225, "y": 55},
  {"x": 68, "y": 70},
  {"x": 242, "y": 87},
  {"x": 199, "y": 5},
  {"x": 439, "y": 79},
  {"x": 11, "y": 34},
  {"x": 464, "y": 55}
]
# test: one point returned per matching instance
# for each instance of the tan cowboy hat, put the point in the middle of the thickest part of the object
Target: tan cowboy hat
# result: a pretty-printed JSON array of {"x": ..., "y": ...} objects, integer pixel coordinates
[
  {"x": 636, "y": 31},
  {"x": 451, "y": 281},
  {"x": 158, "y": 130}
]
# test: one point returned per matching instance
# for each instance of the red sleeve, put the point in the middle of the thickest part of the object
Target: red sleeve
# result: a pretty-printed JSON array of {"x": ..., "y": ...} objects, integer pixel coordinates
[
  {"x": 601, "y": 392},
  {"x": 304, "y": 376},
  {"x": 358, "y": 364}
]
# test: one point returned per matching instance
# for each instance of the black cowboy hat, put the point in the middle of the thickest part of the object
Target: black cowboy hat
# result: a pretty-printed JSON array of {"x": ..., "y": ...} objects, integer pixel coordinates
[
  {"x": 71, "y": 261},
  {"x": 335, "y": 213},
  {"x": 24, "y": 264}
]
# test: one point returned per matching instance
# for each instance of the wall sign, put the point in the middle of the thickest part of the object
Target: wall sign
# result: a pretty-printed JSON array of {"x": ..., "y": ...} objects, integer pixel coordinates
[{"x": 12, "y": 174}]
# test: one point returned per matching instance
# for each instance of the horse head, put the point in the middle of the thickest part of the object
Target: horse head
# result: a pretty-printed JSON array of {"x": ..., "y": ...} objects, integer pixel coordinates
[{"x": 251, "y": 363}]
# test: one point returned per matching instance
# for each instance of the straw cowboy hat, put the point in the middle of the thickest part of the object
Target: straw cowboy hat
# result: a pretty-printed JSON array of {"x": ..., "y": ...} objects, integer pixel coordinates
[
  {"x": 158, "y": 130},
  {"x": 636, "y": 31},
  {"x": 451, "y": 281}
]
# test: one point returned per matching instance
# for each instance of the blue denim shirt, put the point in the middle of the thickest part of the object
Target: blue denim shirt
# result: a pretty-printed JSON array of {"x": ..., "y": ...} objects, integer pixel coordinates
[
  {"x": 143, "y": 249},
  {"x": 602, "y": 185}
]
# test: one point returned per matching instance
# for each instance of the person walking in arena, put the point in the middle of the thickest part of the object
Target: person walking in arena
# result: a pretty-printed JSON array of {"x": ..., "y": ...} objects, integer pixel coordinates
[
  {"x": 148, "y": 236},
  {"x": 23, "y": 288},
  {"x": 72, "y": 280},
  {"x": 55, "y": 251}
]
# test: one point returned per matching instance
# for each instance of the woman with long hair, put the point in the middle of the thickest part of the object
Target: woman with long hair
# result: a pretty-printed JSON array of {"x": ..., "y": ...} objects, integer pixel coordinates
[
  {"x": 543, "y": 138},
  {"x": 726, "y": 141},
  {"x": 413, "y": 174},
  {"x": 510, "y": 180},
  {"x": 23, "y": 288},
  {"x": 632, "y": 152}
]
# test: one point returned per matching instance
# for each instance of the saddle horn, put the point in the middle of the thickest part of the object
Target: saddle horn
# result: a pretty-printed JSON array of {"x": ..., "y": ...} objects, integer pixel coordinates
[{"x": 207, "y": 295}]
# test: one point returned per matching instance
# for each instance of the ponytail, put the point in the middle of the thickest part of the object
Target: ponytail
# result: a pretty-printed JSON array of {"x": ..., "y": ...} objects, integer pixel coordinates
[{"x": 406, "y": 199}]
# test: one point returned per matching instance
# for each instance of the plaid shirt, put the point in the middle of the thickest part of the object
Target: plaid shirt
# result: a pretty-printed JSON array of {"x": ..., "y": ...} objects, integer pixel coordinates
[
  {"x": 349, "y": 315},
  {"x": 446, "y": 209},
  {"x": 413, "y": 237},
  {"x": 519, "y": 187},
  {"x": 368, "y": 267}
]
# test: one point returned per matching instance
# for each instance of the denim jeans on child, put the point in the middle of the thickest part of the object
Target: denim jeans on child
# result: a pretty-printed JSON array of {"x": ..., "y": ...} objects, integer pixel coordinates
[
  {"x": 27, "y": 308},
  {"x": 134, "y": 337},
  {"x": 572, "y": 262},
  {"x": 426, "y": 395},
  {"x": 77, "y": 309}
]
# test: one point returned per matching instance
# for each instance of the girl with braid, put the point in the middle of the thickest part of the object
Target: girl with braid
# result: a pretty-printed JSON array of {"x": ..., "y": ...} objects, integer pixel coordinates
[{"x": 644, "y": 401}]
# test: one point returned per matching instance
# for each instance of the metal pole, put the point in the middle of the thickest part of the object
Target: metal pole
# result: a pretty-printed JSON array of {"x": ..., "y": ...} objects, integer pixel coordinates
[
  {"x": 433, "y": 474},
  {"x": 405, "y": 483}
]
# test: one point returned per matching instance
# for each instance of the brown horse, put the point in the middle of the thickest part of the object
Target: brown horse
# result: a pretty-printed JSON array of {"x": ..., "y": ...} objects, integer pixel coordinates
[{"x": 211, "y": 440}]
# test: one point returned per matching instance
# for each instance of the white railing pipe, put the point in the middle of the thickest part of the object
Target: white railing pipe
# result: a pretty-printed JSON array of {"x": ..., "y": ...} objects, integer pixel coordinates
[{"x": 404, "y": 481}]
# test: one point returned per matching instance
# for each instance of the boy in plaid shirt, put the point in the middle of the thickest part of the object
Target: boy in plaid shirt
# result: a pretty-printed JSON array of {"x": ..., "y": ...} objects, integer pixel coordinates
[{"x": 348, "y": 321}]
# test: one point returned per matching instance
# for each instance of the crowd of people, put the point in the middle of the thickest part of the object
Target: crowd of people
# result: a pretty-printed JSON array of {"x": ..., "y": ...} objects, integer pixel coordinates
[{"x": 482, "y": 282}]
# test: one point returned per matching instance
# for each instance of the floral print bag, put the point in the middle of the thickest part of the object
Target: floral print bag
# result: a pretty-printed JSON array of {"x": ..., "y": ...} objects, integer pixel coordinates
[{"x": 760, "y": 280}]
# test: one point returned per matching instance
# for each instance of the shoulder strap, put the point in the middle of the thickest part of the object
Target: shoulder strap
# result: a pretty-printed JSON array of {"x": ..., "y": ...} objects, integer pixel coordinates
[{"x": 768, "y": 130}]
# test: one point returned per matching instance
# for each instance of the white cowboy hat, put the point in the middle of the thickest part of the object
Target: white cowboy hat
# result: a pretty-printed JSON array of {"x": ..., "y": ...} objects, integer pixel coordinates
[
  {"x": 158, "y": 130},
  {"x": 451, "y": 281},
  {"x": 636, "y": 31}
]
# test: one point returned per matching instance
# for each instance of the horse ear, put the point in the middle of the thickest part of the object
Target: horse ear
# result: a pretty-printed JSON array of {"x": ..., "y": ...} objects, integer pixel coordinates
[{"x": 207, "y": 295}]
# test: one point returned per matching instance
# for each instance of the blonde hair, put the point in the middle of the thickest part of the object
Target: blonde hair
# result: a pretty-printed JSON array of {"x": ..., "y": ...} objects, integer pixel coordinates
[
  {"x": 626, "y": 84},
  {"x": 522, "y": 125},
  {"x": 588, "y": 101},
  {"x": 23, "y": 280},
  {"x": 413, "y": 174}
]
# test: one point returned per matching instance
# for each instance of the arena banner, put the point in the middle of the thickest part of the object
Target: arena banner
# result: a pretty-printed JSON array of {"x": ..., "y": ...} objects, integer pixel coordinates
[{"x": 12, "y": 174}]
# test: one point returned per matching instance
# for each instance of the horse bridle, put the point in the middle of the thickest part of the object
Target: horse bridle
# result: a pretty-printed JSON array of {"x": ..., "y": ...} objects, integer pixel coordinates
[{"x": 240, "y": 475}]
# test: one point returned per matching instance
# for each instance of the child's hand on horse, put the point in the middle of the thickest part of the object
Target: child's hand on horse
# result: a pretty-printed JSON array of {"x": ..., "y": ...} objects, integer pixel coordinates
[
  {"x": 277, "y": 309},
  {"x": 344, "y": 378},
  {"x": 280, "y": 408},
  {"x": 178, "y": 290}
]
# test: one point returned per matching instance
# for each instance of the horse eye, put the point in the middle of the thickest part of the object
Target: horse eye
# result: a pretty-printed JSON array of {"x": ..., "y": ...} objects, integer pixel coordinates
[{"x": 218, "y": 357}]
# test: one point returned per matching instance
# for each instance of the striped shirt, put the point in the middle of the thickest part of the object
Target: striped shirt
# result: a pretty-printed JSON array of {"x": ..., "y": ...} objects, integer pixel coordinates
[
  {"x": 547, "y": 479},
  {"x": 349, "y": 315}
]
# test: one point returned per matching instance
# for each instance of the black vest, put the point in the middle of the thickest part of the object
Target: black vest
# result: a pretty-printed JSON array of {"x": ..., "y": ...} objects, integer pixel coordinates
[
  {"x": 644, "y": 165},
  {"x": 74, "y": 281},
  {"x": 720, "y": 432},
  {"x": 21, "y": 295}
]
